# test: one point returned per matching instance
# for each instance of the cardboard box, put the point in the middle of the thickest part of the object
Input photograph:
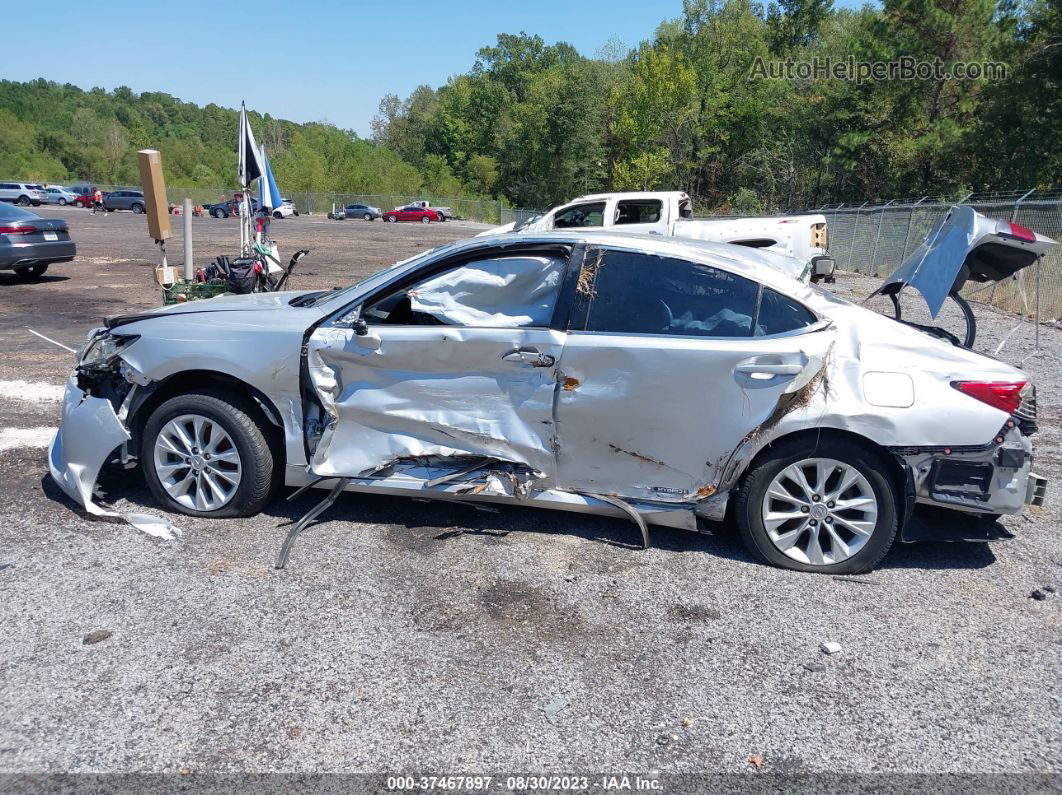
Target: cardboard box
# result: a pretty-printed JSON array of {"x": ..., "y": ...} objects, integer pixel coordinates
[{"x": 154, "y": 184}]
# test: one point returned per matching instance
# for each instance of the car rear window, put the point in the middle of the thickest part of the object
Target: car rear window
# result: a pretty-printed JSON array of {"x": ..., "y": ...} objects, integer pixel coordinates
[
  {"x": 779, "y": 314},
  {"x": 9, "y": 212},
  {"x": 631, "y": 293}
]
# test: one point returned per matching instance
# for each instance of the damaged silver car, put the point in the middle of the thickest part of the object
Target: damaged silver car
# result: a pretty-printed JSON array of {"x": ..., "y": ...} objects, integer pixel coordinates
[{"x": 660, "y": 380}]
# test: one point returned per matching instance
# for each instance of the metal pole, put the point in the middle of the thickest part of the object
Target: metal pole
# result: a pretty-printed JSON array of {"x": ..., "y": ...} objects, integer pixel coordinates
[
  {"x": 910, "y": 223},
  {"x": 881, "y": 220},
  {"x": 189, "y": 269},
  {"x": 855, "y": 229},
  {"x": 1017, "y": 204}
]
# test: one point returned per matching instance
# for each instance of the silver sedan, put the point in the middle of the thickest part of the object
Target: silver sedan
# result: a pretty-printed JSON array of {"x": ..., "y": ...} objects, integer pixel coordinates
[{"x": 658, "y": 380}]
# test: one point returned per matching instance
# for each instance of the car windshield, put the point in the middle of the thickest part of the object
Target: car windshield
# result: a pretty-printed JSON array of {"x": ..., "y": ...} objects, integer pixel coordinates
[
  {"x": 9, "y": 212},
  {"x": 383, "y": 275}
]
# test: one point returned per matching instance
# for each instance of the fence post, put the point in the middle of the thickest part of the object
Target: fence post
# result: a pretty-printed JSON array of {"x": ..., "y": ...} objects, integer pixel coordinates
[
  {"x": 881, "y": 220},
  {"x": 855, "y": 229},
  {"x": 910, "y": 223}
]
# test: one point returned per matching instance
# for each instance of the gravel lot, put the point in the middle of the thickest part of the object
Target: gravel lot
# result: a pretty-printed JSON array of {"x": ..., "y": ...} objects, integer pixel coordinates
[{"x": 412, "y": 636}]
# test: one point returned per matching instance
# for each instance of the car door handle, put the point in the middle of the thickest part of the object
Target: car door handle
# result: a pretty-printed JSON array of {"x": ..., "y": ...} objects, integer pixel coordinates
[
  {"x": 756, "y": 367},
  {"x": 530, "y": 356}
]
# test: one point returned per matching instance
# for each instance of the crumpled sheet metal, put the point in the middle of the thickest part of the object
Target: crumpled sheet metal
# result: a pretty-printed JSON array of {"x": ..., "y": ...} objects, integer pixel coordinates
[
  {"x": 497, "y": 411},
  {"x": 89, "y": 432},
  {"x": 470, "y": 296}
]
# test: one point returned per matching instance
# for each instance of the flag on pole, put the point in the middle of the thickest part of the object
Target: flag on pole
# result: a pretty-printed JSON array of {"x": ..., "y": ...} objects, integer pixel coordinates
[
  {"x": 268, "y": 192},
  {"x": 250, "y": 165}
]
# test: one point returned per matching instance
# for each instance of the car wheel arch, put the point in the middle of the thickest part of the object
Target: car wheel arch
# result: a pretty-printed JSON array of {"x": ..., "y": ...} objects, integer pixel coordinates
[
  {"x": 185, "y": 381},
  {"x": 897, "y": 470}
]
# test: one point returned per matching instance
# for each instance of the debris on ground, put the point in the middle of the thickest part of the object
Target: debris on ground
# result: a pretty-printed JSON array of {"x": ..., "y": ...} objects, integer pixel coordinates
[
  {"x": 815, "y": 667},
  {"x": 830, "y": 647},
  {"x": 1038, "y": 595},
  {"x": 552, "y": 708},
  {"x": 96, "y": 636},
  {"x": 756, "y": 761}
]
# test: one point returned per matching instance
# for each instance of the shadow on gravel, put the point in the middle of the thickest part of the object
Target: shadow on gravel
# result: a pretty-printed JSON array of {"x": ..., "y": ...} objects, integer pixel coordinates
[
  {"x": 939, "y": 555},
  {"x": 9, "y": 277}
]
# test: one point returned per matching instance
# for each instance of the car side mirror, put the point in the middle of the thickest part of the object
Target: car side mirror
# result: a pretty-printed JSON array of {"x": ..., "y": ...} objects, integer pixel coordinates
[{"x": 822, "y": 269}]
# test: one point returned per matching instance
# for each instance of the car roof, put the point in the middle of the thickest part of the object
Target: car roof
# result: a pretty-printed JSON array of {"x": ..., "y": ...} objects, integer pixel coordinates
[{"x": 763, "y": 266}]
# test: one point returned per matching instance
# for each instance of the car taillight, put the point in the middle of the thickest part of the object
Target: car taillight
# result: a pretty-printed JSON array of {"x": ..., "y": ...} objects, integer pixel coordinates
[
  {"x": 1003, "y": 395},
  {"x": 17, "y": 230},
  {"x": 1022, "y": 233}
]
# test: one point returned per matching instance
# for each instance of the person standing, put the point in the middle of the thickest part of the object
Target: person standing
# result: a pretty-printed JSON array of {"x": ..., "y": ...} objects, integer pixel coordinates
[{"x": 97, "y": 201}]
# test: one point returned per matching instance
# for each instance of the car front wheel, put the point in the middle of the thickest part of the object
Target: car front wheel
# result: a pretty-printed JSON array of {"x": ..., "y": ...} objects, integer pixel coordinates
[
  {"x": 62, "y": 202},
  {"x": 137, "y": 208},
  {"x": 206, "y": 454},
  {"x": 391, "y": 219},
  {"x": 367, "y": 216},
  {"x": 277, "y": 214},
  {"x": 825, "y": 506}
]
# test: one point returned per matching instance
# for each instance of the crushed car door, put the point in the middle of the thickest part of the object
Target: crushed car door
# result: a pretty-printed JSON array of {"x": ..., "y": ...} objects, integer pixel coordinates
[
  {"x": 458, "y": 364},
  {"x": 668, "y": 366}
]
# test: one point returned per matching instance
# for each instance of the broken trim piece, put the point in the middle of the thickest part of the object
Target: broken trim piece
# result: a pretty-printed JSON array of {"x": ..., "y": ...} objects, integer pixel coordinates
[
  {"x": 304, "y": 522},
  {"x": 628, "y": 509}
]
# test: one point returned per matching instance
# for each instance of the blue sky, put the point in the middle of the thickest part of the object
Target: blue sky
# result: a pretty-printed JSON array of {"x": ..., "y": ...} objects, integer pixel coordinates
[{"x": 333, "y": 60}]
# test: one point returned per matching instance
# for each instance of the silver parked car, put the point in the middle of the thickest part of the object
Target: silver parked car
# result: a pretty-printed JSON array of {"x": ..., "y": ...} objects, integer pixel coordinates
[
  {"x": 22, "y": 193},
  {"x": 124, "y": 200},
  {"x": 57, "y": 194},
  {"x": 642, "y": 377}
]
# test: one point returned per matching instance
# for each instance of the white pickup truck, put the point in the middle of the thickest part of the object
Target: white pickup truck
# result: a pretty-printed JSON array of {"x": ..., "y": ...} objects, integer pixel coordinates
[
  {"x": 444, "y": 212},
  {"x": 670, "y": 213}
]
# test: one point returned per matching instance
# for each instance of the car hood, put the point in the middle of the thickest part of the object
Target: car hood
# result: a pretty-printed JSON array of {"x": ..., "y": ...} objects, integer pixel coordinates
[{"x": 280, "y": 302}]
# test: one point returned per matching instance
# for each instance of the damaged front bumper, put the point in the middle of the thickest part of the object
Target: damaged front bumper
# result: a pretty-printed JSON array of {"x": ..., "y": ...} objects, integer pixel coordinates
[{"x": 89, "y": 433}]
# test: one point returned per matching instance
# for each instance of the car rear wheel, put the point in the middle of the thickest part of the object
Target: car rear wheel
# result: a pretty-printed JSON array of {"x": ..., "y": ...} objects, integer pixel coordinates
[
  {"x": 23, "y": 201},
  {"x": 367, "y": 216},
  {"x": 32, "y": 272},
  {"x": 825, "y": 506},
  {"x": 391, "y": 219},
  {"x": 218, "y": 213},
  {"x": 137, "y": 208},
  {"x": 206, "y": 454},
  {"x": 62, "y": 202},
  {"x": 425, "y": 220}
]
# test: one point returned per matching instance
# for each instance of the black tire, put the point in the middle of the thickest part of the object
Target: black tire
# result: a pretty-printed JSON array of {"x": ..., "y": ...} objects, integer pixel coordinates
[
  {"x": 219, "y": 213},
  {"x": 31, "y": 272},
  {"x": 367, "y": 216},
  {"x": 244, "y": 424},
  {"x": 425, "y": 220},
  {"x": 62, "y": 202},
  {"x": 137, "y": 208},
  {"x": 442, "y": 217},
  {"x": 277, "y": 214},
  {"x": 391, "y": 219},
  {"x": 749, "y": 501},
  {"x": 23, "y": 201}
]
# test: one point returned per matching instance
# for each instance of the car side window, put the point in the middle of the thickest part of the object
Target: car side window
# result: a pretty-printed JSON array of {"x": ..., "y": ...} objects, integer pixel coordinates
[
  {"x": 638, "y": 211},
  {"x": 502, "y": 292},
  {"x": 779, "y": 314},
  {"x": 581, "y": 215},
  {"x": 630, "y": 293},
  {"x": 8, "y": 186}
]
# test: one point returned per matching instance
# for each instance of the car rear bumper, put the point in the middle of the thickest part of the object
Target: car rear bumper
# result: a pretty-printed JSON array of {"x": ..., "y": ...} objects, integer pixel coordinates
[
  {"x": 996, "y": 478},
  {"x": 19, "y": 255}
]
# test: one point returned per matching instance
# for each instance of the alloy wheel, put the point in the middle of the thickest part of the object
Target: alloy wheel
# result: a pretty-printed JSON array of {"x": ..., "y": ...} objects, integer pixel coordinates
[
  {"x": 819, "y": 511},
  {"x": 197, "y": 462}
]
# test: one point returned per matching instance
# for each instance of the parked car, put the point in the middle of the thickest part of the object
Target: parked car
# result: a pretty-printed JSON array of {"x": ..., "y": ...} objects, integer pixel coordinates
[
  {"x": 443, "y": 212},
  {"x": 285, "y": 210},
  {"x": 364, "y": 211},
  {"x": 57, "y": 194},
  {"x": 651, "y": 378},
  {"x": 670, "y": 213},
  {"x": 411, "y": 213},
  {"x": 84, "y": 195},
  {"x": 124, "y": 200},
  {"x": 29, "y": 243},
  {"x": 228, "y": 207},
  {"x": 22, "y": 193}
]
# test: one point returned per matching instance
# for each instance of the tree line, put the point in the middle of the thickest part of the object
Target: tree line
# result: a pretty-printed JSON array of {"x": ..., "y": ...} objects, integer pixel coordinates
[{"x": 716, "y": 103}]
